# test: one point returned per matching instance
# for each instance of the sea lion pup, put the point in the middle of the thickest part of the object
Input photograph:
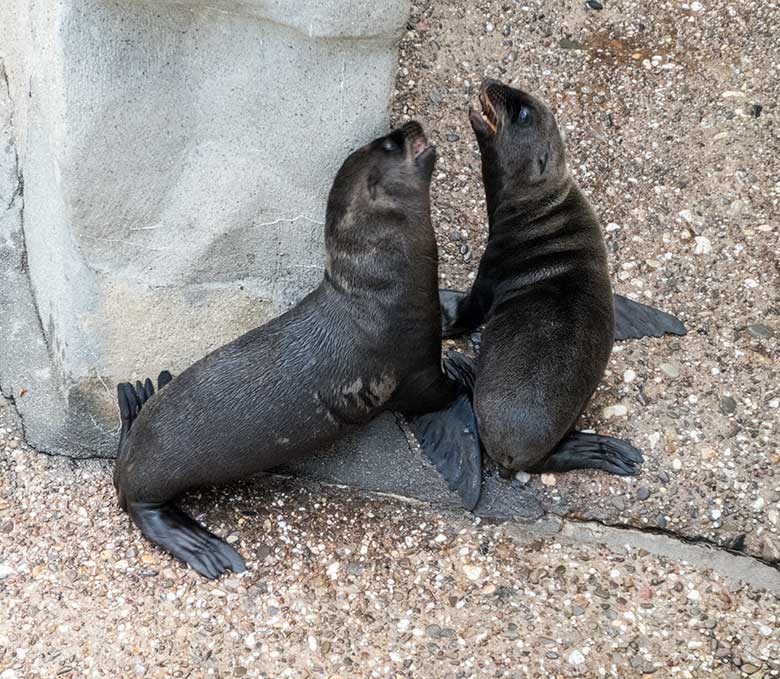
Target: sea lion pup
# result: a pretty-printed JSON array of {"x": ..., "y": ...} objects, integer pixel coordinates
[
  {"x": 543, "y": 290},
  {"x": 367, "y": 340}
]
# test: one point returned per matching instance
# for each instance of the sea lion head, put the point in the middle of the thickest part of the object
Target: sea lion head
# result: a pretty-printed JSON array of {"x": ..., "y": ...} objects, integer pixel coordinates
[
  {"x": 379, "y": 210},
  {"x": 390, "y": 175},
  {"x": 521, "y": 146}
]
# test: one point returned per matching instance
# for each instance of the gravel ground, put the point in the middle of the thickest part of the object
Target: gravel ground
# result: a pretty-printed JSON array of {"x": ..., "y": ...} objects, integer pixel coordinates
[
  {"x": 344, "y": 585},
  {"x": 671, "y": 118},
  {"x": 673, "y": 130}
]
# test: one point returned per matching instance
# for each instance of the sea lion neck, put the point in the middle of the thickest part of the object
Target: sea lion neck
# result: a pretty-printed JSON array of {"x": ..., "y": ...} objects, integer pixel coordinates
[{"x": 509, "y": 208}]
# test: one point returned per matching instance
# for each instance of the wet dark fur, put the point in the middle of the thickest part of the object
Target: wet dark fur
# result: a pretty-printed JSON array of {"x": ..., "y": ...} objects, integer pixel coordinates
[
  {"x": 365, "y": 341},
  {"x": 542, "y": 287}
]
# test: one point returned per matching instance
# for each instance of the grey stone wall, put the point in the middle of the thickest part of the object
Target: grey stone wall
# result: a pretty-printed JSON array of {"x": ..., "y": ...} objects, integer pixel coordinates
[{"x": 163, "y": 174}]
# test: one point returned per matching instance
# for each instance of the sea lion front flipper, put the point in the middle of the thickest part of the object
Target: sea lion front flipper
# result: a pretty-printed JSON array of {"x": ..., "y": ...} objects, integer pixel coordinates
[
  {"x": 449, "y": 301},
  {"x": 634, "y": 320},
  {"x": 583, "y": 450},
  {"x": 449, "y": 440},
  {"x": 449, "y": 437},
  {"x": 170, "y": 528}
]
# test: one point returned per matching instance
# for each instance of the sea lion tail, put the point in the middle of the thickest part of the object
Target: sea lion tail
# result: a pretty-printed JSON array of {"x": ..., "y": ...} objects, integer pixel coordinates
[{"x": 131, "y": 400}]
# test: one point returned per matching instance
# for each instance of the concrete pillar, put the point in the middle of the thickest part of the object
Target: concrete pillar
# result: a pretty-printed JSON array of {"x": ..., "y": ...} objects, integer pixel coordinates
[{"x": 164, "y": 166}]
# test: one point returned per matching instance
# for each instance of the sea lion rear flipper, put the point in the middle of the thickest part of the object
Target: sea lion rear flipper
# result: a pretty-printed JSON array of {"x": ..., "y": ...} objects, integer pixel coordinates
[
  {"x": 449, "y": 440},
  {"x": 449, "y": 437},
  {"x": 582, "y": 450},
  {"x": 170, "y": 528},
  {"x": 634, "y": 320}
]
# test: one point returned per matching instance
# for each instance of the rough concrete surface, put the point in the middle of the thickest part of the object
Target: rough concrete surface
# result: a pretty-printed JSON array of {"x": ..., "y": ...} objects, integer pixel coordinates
[
  {"x": 670, "y": 112},
  {"x": 171, "y": 162}
]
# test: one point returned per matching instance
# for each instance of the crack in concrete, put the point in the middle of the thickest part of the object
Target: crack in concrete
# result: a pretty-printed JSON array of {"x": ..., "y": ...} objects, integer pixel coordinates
[{"x": 700, "y": 540}]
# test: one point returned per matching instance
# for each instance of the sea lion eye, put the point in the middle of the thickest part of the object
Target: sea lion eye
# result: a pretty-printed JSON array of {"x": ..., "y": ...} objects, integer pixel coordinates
[
  {"x": 389, "y": 146},
  {"x": 524, "y": 115}
]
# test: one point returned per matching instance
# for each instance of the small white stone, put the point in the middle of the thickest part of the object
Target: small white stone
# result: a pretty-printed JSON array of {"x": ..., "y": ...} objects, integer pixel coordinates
[
  {"x": 249, "y": 641},
  {"x": 765, "y": 630},
  {"x": 333, "y": 570},
  {"x": 403, "y": 625},
  {"x": 472, "y": 572},
  {"x": 612, "y": 227},
  {"x": 8, "y": 674},
  {"x": 629, "y": 376},
  {"x": 676, "y": 464},
  {"x": 617, "y": 410},
  {"x": 523, "y": 477},
  {"x": 549, "y": 479},
  {"x": 716, "y": 514},
  {"x": 702, "y": 245},
  {"x": 312, "y": 644},
  {"x": 654, "y": 438},
  {"x": 5, "y": 571},
  {"x": 395, "y": 656},
  {"x": 758, "y": 505},
  {"x": 576, "y": 657},
  {"x": 774, "y": 403},
  {"x": 693, "y": 595},
  {"x": 696, "y": 6},
  {"x": 686, "y": 215},
  {"x": 733, "y": 94}
]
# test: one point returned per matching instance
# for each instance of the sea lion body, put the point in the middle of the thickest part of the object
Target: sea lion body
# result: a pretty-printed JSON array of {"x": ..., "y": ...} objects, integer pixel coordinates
[
  {"x": 543, "y": 292},
  {"x": 549, "y": 331},
  {"x": 365, "y": 341}
]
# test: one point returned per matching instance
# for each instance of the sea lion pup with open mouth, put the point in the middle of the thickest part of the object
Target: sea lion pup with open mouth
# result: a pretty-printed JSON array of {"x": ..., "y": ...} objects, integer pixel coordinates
[
  {"x": 543, "y": 290},
  {"x": 367, "y": 340}
]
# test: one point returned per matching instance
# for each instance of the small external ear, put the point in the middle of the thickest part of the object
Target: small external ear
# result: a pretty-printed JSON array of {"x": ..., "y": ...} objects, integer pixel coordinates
[
  {"x": 543, "y": 162},
  {"x": 373, "y": 183}
]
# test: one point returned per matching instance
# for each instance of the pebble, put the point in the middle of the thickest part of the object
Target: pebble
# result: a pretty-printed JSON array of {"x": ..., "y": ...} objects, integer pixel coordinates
[
  {"x": 661, "y": 521},
  {"x": 663, "y": 477},
  {"x": 728, "y": 405},
  {"x": 451, "y": 136},
  {"x": 523, "y": 477},
  {"x": 701, "y": 245},
  {"x": 618, "y": 410},
  {"x": 643, "y": 493},
  {"x": 676, "y": 464},
  {"x": 618, "y": 502},
  {"x": 760, "y": 331},
  {"x": 436, "y": 97},
  {"x": 549, "y": 479},
  {"x": 8, "y": 674},
  {"x": 472, "y": 572},
  {"x": 671, "y": 370},
  {"x": 696, "y": 6},
  {"x": 755, "y": 110},
  {"x": 5, "y": 571},
  {"x": 433, "y": 631},
  {"x": 629, "y": 376},
  {"x": 576, "y": 657}
]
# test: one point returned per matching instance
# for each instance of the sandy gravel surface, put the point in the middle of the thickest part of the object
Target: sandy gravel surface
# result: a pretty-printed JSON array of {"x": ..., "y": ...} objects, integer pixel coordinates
[
  {"x": 671, "y": 119},
  {"x": 344, "y": 585},
  {"x": 670, "y": 112}
]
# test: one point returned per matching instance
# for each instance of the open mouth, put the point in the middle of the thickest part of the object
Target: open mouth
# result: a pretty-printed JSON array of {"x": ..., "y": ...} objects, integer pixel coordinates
[
  {"x": 489, "y": 116},
  {"x": 413, "y": 133}
]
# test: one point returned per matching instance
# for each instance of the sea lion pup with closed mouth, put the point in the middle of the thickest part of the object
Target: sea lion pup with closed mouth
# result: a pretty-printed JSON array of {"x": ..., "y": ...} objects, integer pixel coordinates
[
  {"x": 543, "y": 290},
  {"x": 367, "y": 340}
]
